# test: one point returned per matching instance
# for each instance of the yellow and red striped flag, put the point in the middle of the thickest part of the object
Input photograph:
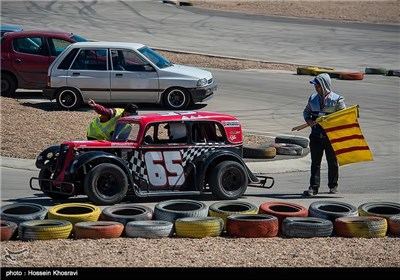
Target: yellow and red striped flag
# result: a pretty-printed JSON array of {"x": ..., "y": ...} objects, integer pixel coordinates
[{"x": 344, "y": 133}]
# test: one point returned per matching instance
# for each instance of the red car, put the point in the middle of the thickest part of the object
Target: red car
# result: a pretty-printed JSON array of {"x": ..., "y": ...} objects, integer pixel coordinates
[
  {"x": 27, "y": 55},
  {"x": 171, "y": 153}
]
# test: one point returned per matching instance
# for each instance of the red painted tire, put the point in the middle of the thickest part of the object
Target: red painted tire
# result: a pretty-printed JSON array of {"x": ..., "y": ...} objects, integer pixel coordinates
[
  {"x": 351, "y": 76},
  {"x": 252, "y": 226},
  {"x": 8, "y": 229},
  {"x": 282, "y": 210},
  {"x": 394, "y": 224},
  {"x": 98, "y": 229}
]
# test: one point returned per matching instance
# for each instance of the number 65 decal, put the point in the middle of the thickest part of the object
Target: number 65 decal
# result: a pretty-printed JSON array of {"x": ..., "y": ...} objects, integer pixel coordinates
[{"x": 164, "y": 168}]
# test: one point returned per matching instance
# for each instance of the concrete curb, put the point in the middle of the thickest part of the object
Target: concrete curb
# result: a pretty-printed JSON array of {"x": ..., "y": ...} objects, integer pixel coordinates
[{"x": 257, "y": 167}]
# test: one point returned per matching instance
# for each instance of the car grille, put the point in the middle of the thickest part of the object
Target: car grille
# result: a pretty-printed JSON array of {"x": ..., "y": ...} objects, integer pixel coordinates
[{"x": 210, "y": 81}]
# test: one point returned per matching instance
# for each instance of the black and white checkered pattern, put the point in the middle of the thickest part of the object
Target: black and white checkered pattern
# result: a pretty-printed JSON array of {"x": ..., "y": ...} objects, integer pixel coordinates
[
  {"x": 137, "y": 165},
  {"x": 194, "y": 152}
]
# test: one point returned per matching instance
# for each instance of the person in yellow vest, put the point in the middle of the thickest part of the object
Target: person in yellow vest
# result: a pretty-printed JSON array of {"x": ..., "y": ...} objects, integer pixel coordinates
[{"x": 102, "y": 127}]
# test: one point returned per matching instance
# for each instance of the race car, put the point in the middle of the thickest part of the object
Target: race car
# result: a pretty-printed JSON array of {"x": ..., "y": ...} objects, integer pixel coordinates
[{"x": 158, "y": 154}]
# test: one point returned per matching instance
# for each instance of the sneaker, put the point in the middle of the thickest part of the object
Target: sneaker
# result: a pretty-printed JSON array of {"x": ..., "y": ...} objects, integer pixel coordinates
[
  {"x": 310, "y": 192},
  {"x": 333, "y": 190}
]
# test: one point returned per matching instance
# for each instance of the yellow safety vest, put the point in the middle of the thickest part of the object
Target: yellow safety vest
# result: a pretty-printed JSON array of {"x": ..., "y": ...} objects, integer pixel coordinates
[{"x": 102, "y": 131}]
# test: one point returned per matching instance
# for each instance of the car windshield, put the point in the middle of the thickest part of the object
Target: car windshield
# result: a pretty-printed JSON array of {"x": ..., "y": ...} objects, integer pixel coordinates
[
  {"x": 154, "y": 57},
  {"x": 125, "y": 131},
  {"x": 78, "y": 38}
]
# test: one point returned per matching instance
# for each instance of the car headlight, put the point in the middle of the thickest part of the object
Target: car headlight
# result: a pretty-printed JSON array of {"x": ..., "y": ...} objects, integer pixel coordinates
[{"x": 202, "y": 82}]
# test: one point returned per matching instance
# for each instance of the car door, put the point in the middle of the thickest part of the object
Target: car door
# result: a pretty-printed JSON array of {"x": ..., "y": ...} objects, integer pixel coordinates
[
  {"x": 163, "y": 161},
  {"x": 89, "y": 73},
  {"x": 132, "y": 78},
  {"x": 30, "y": 60}
]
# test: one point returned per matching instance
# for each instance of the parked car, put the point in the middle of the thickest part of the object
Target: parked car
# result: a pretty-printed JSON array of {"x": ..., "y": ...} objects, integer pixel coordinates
[
  {"x": 116, "y": 72},
  {"x": 9, "y": 28},
  {"x": 146, "y": 157},
  {"x": 27, "y": 55}
]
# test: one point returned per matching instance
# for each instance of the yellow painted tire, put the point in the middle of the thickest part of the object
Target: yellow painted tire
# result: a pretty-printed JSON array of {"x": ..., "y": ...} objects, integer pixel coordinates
[
  {"x": 361, "y": 226},
  {"x": 199, "y": 227},
  {"x": 226, "y": 208},
  {"x": 75, "y": 212},
  {"x": 313, "y": 70},
  {"x": 44, "y": 229}
]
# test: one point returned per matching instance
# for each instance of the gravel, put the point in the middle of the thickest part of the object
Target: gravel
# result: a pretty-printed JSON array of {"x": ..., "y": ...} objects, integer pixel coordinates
[{"x": 31, "y": 128}]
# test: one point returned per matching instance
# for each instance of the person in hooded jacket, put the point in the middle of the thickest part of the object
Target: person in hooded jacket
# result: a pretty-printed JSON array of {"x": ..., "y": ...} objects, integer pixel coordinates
[{"x": 323, "y": 102}]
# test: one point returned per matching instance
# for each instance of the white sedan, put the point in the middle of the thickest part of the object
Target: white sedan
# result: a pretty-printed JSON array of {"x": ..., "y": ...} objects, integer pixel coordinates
[{"x": 118, "y": 72}]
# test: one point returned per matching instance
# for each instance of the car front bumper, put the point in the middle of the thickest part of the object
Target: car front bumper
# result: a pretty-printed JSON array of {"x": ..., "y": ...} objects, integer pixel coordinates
[{"x": 204, "y": 93}]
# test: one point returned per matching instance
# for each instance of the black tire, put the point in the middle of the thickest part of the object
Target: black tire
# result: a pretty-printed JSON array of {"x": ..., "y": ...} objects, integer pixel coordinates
[
  {"x": 171, "y": 210},
  {"x": 8, "y": 85},
  {"x": 126, "y": 213},
  {"x": 228, "y": 180},
  {"x": 288, "y": 149},
  {"x": 176, "y": 98},
  {"x": 306, "y": 227},
  {"x": 106, "y": 184},
  {"x": 380, "y": 209},
  {"x": 68, "y": 99},
  {"x": 331, "y": 210},
  {"x": 47, "y": 174},
  {"x": 301, "y": 141},
  {"x": 21, "y": 212}
]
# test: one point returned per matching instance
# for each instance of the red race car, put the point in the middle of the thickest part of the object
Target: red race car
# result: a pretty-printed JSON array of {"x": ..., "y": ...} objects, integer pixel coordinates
[{"x": 170, "y": 153}]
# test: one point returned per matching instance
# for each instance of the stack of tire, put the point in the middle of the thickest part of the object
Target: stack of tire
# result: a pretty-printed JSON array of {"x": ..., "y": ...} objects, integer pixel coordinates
[{"x": 290, "y": 145}]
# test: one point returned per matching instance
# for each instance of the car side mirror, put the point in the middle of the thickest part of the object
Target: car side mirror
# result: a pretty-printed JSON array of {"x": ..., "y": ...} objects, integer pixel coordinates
[{"x": 148, "y": 68}]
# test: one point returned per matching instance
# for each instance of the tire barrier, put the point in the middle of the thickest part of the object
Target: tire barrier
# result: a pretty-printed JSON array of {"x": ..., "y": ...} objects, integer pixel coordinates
[
  {"x": 126, "y": 213},
  {"x": 259, "y": 151},
  {"x": 298, "y": 140},
  {"x": 199, "y": 227},
  {"x": 252, "y": 226},
  {"x": 375, "y": 71},
  {"x": 149, "y": 229},
  {"x": 393, "y": 73},
  {"x": 380, "y": 209},
  {"x": 171, "y": 210},
  {"x": 226, "y": 208},
  {"x": 21, "y": 212},
  {"x": 44, "y": 229},
  {"x": 306, "y": 227},
  {"x": 75, "y": 212},
  {"x": 394, "y": 224},
  {"x": 313, "y": 70},
  {"x": 98, "y": 229},
  {"x": 362, "y": 226},
  {"x": 288, "y": 149},
  {"x": 282, "y": 210},
  {"x": 351, "y": 76},
  {"x": 8, "y": 230},
  {"x": 331, "y": 210}
]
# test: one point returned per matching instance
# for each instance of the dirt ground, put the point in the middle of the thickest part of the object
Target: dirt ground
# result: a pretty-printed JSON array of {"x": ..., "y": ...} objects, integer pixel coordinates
[{"x": 32, "y": 129}]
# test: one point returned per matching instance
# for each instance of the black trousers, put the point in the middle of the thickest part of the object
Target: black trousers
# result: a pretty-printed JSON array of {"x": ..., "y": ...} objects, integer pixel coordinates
[{"x": 317, "y": 148}]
